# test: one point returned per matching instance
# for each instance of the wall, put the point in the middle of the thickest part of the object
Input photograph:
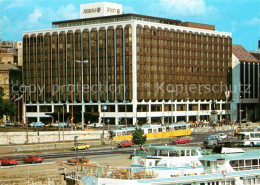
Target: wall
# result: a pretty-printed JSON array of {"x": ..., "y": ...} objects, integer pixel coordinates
[{"x": 47, "y": 137}]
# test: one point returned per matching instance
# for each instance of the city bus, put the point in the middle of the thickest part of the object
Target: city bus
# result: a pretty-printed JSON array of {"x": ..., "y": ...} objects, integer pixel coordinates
[{"x": 249, "y": 138}]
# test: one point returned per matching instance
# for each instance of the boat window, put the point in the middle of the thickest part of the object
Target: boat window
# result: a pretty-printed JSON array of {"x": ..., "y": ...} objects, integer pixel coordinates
[
  {"x": 182, "y": 152},
  {"x": 163, "y": 153},
  {"x": 178, "y": 153},
  {"x": 118, "y": 133},
  {"x": 252, "y": 135},
  {"x": 173, "y": 153},
  {"x": 194, "y": 153},
  {"x": 149, "y": 130},
  {"x": 255, "y": 161},
  {"x": 123, "y": 133},
  {"x": 248, "y": 162},
  {"x": 241, "y": 162},
  {"x": 187, "y": 152},
  {"x": 159, "y": 129},
  {"x": 234, "y": 164},
  {"x": 208, "y": 163},
  {"x": 150, "y": 163},
  {"x": 128, "y": 132},
  {"x": 154, "y": 130}
]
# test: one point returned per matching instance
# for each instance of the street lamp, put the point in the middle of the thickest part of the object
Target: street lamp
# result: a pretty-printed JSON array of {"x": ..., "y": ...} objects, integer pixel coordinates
[
  {"x": 82, "y": 94},
  {"x": 76, "y": 148},
  {"x": 104, "y": 107},
  {"x": 187, "y": 109},
  {"x": 240, "y": 112},
  {"x": 172, "y": 104},
  {"x": 125, "y": 113}
]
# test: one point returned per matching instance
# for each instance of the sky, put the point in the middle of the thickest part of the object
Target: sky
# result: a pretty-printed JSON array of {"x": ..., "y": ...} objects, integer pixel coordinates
[{"x": 240, "y": 17}]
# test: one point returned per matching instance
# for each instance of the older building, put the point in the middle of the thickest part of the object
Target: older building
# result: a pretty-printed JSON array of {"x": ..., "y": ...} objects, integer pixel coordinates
[
  {"x": 246, "y": 74},
  {"x": 11, "y": 52},
  {"x": 129, "y": 66}
]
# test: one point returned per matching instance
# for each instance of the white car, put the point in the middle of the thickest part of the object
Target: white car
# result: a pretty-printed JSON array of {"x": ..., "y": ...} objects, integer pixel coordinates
[
  {"x": 95, "y": 125},
  {"x": 221, "y": 136}
]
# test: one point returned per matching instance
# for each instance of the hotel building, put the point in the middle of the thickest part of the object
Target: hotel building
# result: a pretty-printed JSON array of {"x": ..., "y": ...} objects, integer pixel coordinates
[{"x": 126, "y": 68}]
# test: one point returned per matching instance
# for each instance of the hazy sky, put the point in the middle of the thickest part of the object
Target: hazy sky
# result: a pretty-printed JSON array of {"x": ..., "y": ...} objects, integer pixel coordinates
[{"x": 240, "y": 17}]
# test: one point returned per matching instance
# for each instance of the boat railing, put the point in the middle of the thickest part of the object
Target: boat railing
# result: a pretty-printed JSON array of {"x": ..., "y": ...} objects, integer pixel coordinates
[{"x": 119, "y": 172}]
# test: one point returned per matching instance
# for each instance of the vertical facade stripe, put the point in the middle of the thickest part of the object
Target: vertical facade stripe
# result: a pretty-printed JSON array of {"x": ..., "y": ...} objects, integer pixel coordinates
[
  {"x": 51, "y": 71},
  {"x": 98, "y": 68},
  {"x": 59, "y": 65},
  {"x": 90, "y": 83},
  {"x": 106, "y": 71},
  {"x": 37, "y": 72},
  {"x": 66, "y": 61},
  {"x": 44, "y": 86},
  {"x": 30, "y": 81},
  {"x": 82, "y": 78},
  {"x": 115, "y": 63},
  {"x": 124, "y": 64},
  {"x": 74, "y": 70}
]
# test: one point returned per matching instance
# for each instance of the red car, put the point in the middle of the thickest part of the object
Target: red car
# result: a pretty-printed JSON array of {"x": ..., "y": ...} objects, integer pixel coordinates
[
  {"x": 6, "y": 161},
  {"x": 33, "y": 159},
  {"x": 126, "y": 143},
  {"x": 182, "y": 140}
]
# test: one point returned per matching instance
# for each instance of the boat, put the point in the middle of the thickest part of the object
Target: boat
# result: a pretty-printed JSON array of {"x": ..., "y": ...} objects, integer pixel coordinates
[
  {"x": 154, "y": 131},
  {"x": 180, "y": 166}
]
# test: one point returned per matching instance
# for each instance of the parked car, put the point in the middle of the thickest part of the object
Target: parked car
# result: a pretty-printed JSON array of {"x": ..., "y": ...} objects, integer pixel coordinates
[
  {"x": 33, "y": 159},
  {"x": 9, "y": 124},
  {"x": 81, "y": 146},
  {"x": 7, "y": 161},
  {"x": 62, "y": 125},
  {"x": 181, "y": 140},
  {"x": 221, "y": 136},
  {"x": 73, "y": 125},
  {"x": 244, "y": 120},
  {"x": 81, "y": 160},
  {"x": 126, "y": 143},
  {"x": 95, "y": 125},
  {"x": 37, "y": 124}
]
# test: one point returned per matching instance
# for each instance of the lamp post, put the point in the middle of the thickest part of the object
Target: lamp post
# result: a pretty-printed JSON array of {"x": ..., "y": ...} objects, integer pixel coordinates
[
  {"x": 82, "y": 94},
  {"x": 76, "y": 149},
  {"x": 240, "y": 112},
  {"x": 104, "y": 107},
  {"x": 63, "y": 125},
  {"x": 172, "y": 104},
  {"x": 187, "y": 109},
  {"x": 125, "y": 113}
]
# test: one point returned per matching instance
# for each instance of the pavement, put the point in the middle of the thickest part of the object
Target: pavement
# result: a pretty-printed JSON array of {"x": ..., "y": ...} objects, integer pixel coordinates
[{"x": 64, "y": 146}]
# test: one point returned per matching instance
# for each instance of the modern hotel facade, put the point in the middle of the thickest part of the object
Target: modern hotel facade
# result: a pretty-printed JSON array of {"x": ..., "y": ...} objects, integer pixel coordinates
[{"x": 126, "y": 68}]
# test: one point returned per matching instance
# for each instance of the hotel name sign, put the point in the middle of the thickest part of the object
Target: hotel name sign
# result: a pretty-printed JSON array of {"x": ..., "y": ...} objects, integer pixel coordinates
[{"x": 98, "y": 9}]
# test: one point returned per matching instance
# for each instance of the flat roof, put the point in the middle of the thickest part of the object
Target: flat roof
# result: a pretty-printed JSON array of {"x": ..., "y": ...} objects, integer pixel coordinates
[
  {"x": 248, "y": 154},
  {"x": 162, "y": 20}
]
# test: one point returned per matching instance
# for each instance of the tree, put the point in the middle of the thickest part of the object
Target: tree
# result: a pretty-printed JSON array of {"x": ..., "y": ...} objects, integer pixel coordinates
[
  {"x": 138, "y": 137},
  {"x": 6, "y": 106},
  {"x": 111, "y": 134}
]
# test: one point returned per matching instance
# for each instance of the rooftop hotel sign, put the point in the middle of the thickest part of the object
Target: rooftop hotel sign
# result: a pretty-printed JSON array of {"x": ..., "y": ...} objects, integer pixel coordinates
[{"x": 99, "y": 9}]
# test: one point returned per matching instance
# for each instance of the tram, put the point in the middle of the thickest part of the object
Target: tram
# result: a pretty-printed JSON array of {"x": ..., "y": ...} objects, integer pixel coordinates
[{"x": 155, "y": 131}]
